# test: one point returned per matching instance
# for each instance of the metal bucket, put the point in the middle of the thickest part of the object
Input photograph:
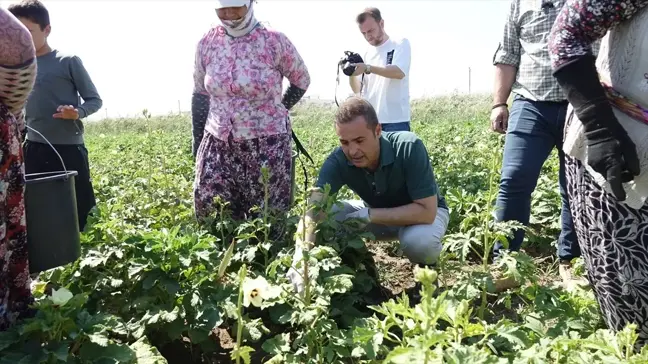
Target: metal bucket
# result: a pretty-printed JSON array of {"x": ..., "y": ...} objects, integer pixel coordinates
[{"x": 53, "y": 237}]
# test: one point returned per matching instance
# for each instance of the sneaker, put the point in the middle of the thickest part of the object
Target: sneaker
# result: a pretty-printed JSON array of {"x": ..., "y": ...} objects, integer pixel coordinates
[{"x": 504, "y": 284}]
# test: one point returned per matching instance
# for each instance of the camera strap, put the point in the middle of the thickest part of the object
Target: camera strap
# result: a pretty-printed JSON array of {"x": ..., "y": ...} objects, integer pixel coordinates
[{"x": 337, "y": 84}]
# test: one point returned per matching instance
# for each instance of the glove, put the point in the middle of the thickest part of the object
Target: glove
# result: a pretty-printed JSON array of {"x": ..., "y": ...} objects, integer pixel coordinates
[
  {"x": 611, "y": 152},
  {"x": 351, "y": 57},
  {"x": 295, "y": 277},
  {"x": 295, "y": 274},
  {"x": 362, "y": 214}
]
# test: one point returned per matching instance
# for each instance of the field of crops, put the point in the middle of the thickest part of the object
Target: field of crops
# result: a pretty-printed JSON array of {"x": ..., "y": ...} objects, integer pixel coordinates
[{"x": 154, "y": 287}]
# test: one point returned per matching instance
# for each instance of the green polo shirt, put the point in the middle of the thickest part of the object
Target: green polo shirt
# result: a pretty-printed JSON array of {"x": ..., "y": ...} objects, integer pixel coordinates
[{"x": 404, "y": 173}]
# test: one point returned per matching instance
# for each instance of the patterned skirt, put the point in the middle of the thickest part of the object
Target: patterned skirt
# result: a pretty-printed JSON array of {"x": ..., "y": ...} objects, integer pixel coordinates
[
  {"x": 231, "y": 170},
  {"x": 15, "y": 293},
  {"x": 614, "y": 242}
]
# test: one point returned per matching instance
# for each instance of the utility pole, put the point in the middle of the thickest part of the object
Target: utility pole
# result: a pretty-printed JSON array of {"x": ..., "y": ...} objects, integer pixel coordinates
[
  {"x": 469, "y": 81},
  {"x": 179, "y": 109}
]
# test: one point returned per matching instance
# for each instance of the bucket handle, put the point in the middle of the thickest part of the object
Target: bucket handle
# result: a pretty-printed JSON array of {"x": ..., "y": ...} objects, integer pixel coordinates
[{"x": 50, "y": 144}]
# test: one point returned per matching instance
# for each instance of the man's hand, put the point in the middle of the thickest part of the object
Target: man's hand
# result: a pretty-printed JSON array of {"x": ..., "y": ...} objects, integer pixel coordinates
[
  {"x": 360, "y": 68},
  {"x": 362, "y": 215},
  {"x": 68, "y": 112},
  {"x": 499, "y": 119}
]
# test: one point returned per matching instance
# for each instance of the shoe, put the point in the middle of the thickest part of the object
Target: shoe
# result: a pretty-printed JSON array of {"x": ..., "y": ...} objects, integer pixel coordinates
[{"x": 503, "y": 284}]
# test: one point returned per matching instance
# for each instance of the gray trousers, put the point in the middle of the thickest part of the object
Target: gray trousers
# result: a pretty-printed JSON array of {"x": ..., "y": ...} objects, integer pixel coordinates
[{"x": 421, "y": 244}]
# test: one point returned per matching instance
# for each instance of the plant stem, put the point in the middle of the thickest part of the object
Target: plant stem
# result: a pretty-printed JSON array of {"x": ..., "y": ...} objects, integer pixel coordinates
[
  {"x": 239, "y": 329},
  {"x": 488, "y": 244},
  {"x": 305, "y": 252}
]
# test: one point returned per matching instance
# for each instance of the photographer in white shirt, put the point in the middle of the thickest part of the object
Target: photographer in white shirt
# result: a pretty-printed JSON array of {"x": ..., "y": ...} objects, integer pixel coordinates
[{"x": 383, "y": 78}]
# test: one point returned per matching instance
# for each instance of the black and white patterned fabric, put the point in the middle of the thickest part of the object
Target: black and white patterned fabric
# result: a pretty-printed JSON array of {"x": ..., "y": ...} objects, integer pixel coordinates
[{"x": 614, "y": 243}]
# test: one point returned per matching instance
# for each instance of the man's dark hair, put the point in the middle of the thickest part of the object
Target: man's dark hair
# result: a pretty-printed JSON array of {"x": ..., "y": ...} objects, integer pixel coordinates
[
  {"x": 32, "y": 10},
  {"x": 369, "y": 12},
  {"x": 354, "y": 107}
]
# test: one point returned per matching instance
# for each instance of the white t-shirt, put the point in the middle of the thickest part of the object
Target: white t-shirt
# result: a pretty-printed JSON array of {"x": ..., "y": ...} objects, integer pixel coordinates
[{"x": 390, "y": 97}]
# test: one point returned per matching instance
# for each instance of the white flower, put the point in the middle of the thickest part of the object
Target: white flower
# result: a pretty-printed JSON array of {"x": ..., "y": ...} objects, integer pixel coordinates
[
  {"x": 61, "y": 296},
  {"x": 257, "y": 290}
]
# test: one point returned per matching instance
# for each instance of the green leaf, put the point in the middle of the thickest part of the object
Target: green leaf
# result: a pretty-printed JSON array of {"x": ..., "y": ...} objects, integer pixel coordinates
[
  {"x": 243, "y": 353},
  {"x": 8, "y": 338},
  {"x": 338, "y": 284},
  {"x": 278, "y": 344},
  {"x": 98, "y": 339},
  {"x": 114, "y": 352},
  {"x": 227, "y": 257}
]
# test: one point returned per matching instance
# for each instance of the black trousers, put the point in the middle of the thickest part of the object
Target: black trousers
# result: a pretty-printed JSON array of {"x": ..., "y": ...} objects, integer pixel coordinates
[{"x": 40, "y": 158}]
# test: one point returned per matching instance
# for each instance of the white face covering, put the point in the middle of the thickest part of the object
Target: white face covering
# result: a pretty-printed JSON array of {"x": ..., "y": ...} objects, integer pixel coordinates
[{"x": 242, "y": 26}]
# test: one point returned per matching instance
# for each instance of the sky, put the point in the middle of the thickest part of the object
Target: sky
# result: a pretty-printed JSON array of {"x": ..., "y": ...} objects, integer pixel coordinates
[{"x": 140, "y": 53}]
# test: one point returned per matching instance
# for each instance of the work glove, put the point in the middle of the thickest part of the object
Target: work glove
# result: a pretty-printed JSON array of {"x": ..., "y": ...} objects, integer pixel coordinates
[
  {"x": 294, "y": 276},
  {"x": 362, "y": 215},
  {"x": 610, "y": 152},
  {"x": 296, "y": 270}
]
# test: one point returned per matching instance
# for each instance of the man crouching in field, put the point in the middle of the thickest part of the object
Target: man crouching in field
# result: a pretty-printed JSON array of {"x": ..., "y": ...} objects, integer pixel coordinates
[{"x": 392, "y": 174}]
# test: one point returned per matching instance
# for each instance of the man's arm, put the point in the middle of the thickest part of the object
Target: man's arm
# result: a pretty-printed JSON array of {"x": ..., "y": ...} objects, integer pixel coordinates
[
  {"x": 504, "y": 80},
  {"x": 354, "y": 82},
  {"x": 329, "y": 174},
  {"x": 422, "y": 188},
  {"x": 507, "y": 57},
  {"x": 400, "y": 66},
  {"x": 91, "y": 100},
  {"x": 391, "y": 71},
  {"x": 421, "y": 211}
]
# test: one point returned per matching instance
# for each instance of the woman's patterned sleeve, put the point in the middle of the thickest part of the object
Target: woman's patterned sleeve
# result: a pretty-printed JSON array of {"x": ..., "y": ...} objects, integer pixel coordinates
[
  {"x": 582, "y": 22},
  {"x": 17, "y": 66},
  {"x": 199, "y": 99},
  {"x": 293, "y": 67}
]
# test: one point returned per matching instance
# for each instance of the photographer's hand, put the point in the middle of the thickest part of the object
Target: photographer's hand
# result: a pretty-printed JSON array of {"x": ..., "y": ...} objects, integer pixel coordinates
[{"x": 360, "y": 68}]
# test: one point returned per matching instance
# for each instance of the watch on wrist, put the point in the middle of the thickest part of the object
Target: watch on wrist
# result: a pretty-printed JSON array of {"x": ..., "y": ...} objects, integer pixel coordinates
[{"x": 367, "y": 69}]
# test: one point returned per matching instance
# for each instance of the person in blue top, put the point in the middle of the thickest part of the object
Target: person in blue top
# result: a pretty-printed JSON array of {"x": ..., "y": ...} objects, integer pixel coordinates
[{"x": 392, "y": 174}]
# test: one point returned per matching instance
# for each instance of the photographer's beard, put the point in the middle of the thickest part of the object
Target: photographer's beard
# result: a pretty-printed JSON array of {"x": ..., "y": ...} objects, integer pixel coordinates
[{"x": 379, "y": 39}]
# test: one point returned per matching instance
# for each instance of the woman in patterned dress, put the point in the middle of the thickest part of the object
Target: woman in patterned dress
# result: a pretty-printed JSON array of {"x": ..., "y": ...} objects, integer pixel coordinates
[
  {"x": 17, "y": 74},
  {"x": 240, "y": 117},
  {"x": 606, "y": 143}
]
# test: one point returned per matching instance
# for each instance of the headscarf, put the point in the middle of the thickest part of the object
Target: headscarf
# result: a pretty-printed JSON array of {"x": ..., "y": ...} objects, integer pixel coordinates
[{"x": 242, "y": 26}]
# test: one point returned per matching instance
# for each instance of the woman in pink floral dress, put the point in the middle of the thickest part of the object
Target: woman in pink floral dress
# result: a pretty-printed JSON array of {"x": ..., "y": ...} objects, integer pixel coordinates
[
  {"x": 239, "y": 116},
  {"x": 17, "y": 74}
]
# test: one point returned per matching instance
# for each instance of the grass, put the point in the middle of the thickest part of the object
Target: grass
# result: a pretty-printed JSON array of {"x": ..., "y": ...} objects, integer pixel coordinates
[
  {"x": 152, "y": 286},
  {"x": 455, "y": 130}
]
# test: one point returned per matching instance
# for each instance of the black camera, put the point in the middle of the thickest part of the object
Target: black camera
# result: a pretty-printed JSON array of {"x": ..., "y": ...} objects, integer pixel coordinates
[{"x": 347, "y": 60}]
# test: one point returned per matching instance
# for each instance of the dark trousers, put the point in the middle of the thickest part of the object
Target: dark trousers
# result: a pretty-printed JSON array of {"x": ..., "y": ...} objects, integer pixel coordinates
[
  {"x": 534, "y": 129},
  {"x": 402, "y": 126},
  {"x": 40, "y": 158}
]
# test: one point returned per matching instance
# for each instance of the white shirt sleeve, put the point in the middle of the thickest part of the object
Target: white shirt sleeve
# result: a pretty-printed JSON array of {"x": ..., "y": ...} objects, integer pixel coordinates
[{"x": 403, "y": 56}]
